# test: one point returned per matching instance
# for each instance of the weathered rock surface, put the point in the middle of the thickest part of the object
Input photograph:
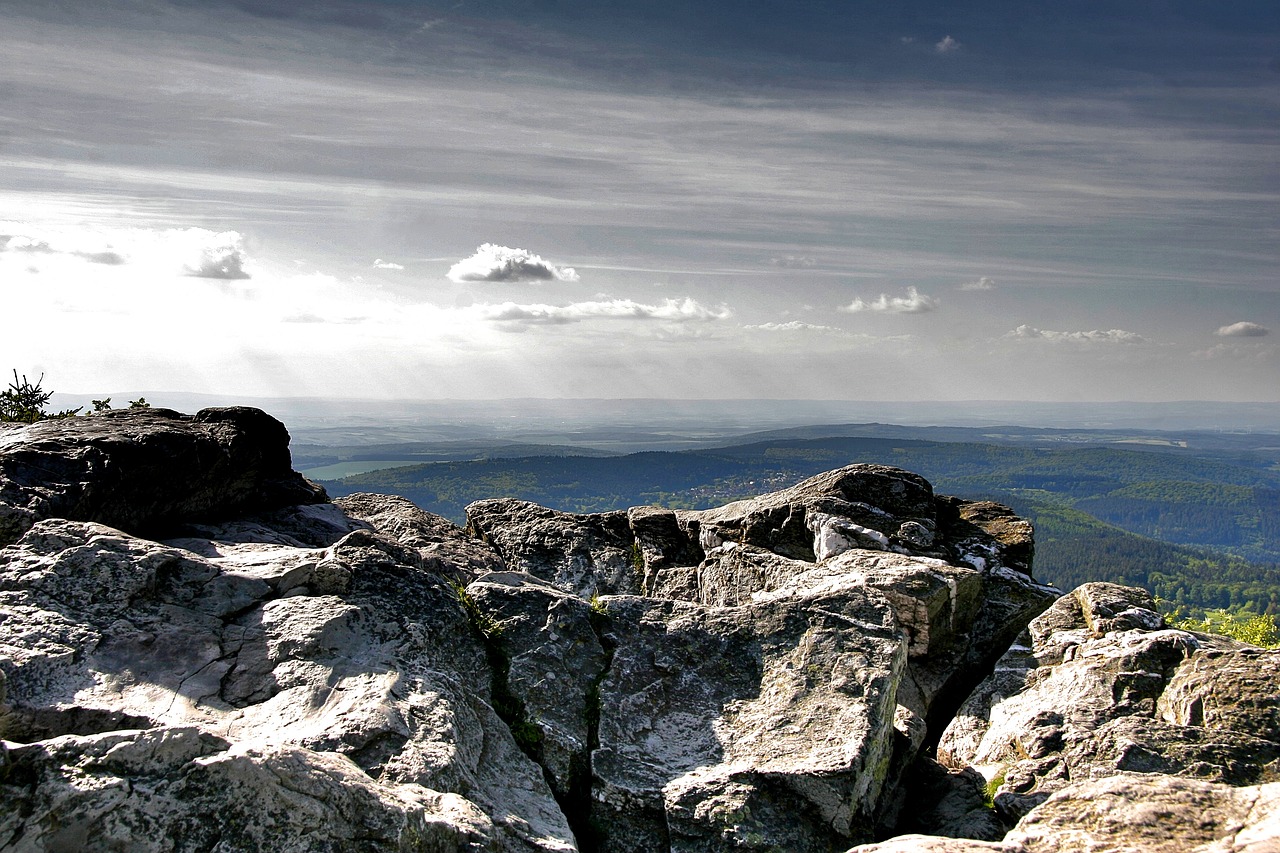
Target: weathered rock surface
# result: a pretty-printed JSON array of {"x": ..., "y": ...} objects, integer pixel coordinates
[
  {"x": 286, "y": 674},
  {"x": 146, "y": 470},
  {"x": 1101, "y": 687},
  {"x": 943, "y": 584}
]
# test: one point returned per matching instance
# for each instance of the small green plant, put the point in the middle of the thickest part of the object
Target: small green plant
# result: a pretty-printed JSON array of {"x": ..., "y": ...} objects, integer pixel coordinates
[
  {"x": 488, "y": 627},
  {"x": 637, "y": 557},
  {"x": 24, "y": 402},
  {"x": 1257, "y": 629},
  {"x": 992, "y": 786}
]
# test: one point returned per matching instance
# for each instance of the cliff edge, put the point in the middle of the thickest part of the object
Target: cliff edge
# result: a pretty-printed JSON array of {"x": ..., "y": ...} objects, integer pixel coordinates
[{"x": 199, "y": 652}]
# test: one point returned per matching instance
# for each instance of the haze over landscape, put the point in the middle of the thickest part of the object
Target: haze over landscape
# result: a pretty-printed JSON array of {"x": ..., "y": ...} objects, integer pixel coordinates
[{"x": 485, "y": 200}]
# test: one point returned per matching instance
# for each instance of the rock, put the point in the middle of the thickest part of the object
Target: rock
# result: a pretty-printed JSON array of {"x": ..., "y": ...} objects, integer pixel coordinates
[
  {"x": 157, "y": 791},
  {"x": 1100, "y": 687},
  {"x": 757, "y": 727},
  {"x": 917, "y": 843},
  {"x": 147, "y": 470},
  {"x": 583, "y": 554},
  {"x": 862, "y": 532},
  {"x": 1130, "y": 813},
  {"x": 855, "y": 507},
  {"x": 282, "y": 673},
  {"x": 551, "y": 663},
  {"x": 356, "y": 651},
  {"x": 443, "y": 545},
  {"x": 1153, "y": 814}
]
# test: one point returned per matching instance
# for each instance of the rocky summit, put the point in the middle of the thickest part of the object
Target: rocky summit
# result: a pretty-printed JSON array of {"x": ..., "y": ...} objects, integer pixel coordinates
[{"x": 200, "y": 652}]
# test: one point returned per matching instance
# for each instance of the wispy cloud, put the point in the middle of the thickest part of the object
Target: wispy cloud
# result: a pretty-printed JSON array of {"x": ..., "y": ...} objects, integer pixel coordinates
[
  {"x": 793, "y": 262},
  {"x": 1111, "y": 336},
  {"x": 914, "y": 302},
  {"x": 1243, "y": 329},
  {"x": 492, "y": 262},
  {"x": 982, "y": 283},
  {"x": 387, "y": 265},
  {"x": 671, "y": 310},
  {"x": 43, "y": 246},
  {"x": 947, "y": 45}
]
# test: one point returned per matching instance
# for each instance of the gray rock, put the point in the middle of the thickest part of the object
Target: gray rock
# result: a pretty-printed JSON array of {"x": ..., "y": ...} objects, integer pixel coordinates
[
  {"x": 1153, "y": 814},
  {"x": 147, "y": 470},
  {"x": 444, "y": 546},
  {"x": 357, "y": 651},
  {"x": 754, "y": 727},
  {"x": 1100, "y": 687},
  {"x": 553, "y": 664},
  {"x": 583, "y": 554},
  {"x": 182, "y": 789}
]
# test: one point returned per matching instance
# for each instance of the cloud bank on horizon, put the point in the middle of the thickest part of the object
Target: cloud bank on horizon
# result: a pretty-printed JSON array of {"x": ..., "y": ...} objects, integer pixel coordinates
[{"x": 718, "y": 200}]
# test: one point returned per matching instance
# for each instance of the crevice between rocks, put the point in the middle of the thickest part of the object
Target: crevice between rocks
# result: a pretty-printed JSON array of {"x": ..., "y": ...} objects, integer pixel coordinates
[{"x": 574, "y": 798}]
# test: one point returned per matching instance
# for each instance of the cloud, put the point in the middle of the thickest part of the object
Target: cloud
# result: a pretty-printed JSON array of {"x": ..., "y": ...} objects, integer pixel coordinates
[
  {"x": 794, "y": 326},
  {"x": 670, "y": 310},
  {"x": 387, "y": 265},
  {"x": 1112, "y": 336},
  {"x": 217, "y": 255},
  {"x": 793, "y": 262},
  {"x": 947, "y": 45},
  {"x": 23, "y": 243},
  {"x": 914, "y": 302},
  {"x": 982, "y": 283},
  {"x": 1236, "y": 352},
  {"x": 500, "y": 263},
  {"x": 1243, "y": 330}
]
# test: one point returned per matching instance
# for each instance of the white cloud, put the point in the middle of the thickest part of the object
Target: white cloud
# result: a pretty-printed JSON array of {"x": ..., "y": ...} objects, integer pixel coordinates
[
  {"x": 217, "y": 255},
  {"x": 671, "y": 310},
  {"x": 186, "y": 251},
  {"x": 500, "y": 263},
  {"x": 387, "y": 265},
  {"x": 794, "y": 326},
  {"x": 982, "y": 283},
  {"x": 1243, "y": 329},
  {"x": 1114, "y": 336},
  {"x": 947, "y": 45},
  {"x": 914, "y": 302}
]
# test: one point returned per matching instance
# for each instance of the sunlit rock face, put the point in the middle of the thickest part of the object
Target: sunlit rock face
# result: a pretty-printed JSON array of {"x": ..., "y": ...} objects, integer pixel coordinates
[{"x": 239, "y": 665}]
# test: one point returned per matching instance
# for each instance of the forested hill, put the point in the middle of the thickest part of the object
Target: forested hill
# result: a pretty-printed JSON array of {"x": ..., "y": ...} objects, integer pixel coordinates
[{"x": 1198, "y": 527}]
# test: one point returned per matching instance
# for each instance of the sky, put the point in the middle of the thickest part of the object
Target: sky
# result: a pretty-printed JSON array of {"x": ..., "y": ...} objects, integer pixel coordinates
[{"x": 481, "y": 199}]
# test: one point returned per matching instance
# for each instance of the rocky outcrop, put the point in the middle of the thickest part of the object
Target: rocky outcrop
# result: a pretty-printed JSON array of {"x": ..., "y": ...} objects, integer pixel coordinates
[
  {"x": 1130, "y": 813},
  {"x": 1101, "y": 686},
  {"x": 147, "y": 470},
  {"x": 280, "y": 673}
]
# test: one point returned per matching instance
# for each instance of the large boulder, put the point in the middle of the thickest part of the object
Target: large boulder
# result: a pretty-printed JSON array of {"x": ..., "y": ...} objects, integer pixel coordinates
[
  {"x": 942, "y": 586},
  {"x": 338, "y": 674},
  {"x": 147, "y": 470},
  {"x": 1100, "y": 686}
]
